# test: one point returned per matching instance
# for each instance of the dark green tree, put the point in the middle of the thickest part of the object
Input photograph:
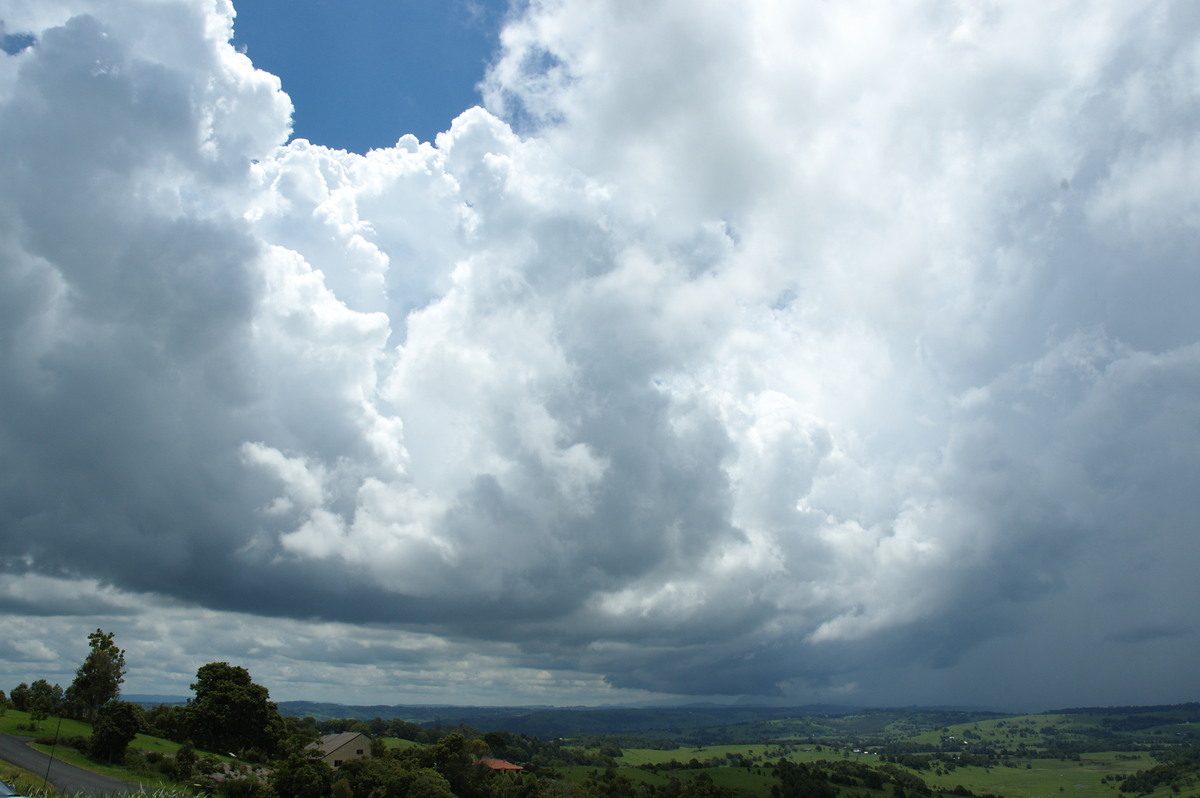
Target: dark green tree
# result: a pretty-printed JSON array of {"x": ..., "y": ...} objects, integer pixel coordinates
[
  {"x": 299, "y": 733},
  {"x": 20, "y": 696},
  {"x": 44, "y": 700},
  {"x": 301, "y": 777},
  {"x": 185, "y": 760},
  {"x": 452, "y": 756},
  {"x": 169, "y": 722},
  {"x": 378, "y": 747},
  {"x": 99, "y": 678},
  {"x": 428, "y": 784},
  {"x": 231, "y": 713},
  {"x": 388, "y": 777},
  {"x": 117, "y": 723}
]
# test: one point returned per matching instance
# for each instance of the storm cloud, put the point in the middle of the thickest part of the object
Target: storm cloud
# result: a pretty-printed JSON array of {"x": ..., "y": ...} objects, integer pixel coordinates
[{"x": 823, "y": 351}]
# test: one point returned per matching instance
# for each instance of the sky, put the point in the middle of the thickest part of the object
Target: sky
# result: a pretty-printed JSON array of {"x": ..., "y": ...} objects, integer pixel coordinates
[
  {"x": 790, "y": 352},
  {"x": 360, "y": 75}
]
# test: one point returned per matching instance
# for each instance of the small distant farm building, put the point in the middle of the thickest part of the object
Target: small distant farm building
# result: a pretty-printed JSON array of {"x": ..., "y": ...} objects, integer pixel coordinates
[
  {"x": 498, "y": 764},
  {"x": 338, "y": 748}
]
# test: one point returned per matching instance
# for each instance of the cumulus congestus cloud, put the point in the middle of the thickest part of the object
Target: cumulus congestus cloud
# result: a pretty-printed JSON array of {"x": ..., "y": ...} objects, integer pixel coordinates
[{"x": 731, "y": 350}]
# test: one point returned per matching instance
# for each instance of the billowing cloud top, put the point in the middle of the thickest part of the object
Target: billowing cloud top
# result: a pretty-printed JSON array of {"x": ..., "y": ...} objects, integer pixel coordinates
[{"x": 803, "y": 348}]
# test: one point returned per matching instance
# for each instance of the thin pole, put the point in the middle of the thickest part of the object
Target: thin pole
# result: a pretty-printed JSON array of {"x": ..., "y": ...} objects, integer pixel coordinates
[{"x": 53, "y": 746}]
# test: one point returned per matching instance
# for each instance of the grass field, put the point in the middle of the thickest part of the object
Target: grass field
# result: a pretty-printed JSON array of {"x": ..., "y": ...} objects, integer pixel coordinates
[
  {"x": 1043, "y": 778},
  {"x": 756, "y": 781},
  {"x": 1028, "y": 778},
  {"x": 19, "y": 723},
  {"x": 757, "y": 752},
  {"x": 1022, "y": 747}
]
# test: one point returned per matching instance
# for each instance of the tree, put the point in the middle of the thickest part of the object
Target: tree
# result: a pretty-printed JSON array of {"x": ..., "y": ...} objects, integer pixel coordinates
[
  {"x": 301, "y": 777},
  {"x": 185, "y": 760},
  {"x": 44, "y": 700},
  {"x": 378, "y": 747},
  {"x": 169, "y": 722},
  {"x": 388, "y": 777},
  {"x": 452, "y": 757},
  {"x": 99, "y": 678},
  {"x": 232, "y": 713},
  {"x": 299, "y": 733},
  {"x": 19, "y": 697},
  {"x": 117, "y": 723}
]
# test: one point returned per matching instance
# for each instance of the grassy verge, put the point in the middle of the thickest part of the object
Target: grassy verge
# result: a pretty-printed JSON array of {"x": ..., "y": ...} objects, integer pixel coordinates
[
  {"x": 142, "y": 781},
  {"x": 21, "y": 780}
]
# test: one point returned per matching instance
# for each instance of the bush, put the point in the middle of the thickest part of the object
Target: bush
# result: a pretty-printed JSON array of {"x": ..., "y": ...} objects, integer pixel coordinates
[
  {"x": 253, "y": 755},
  {"x": 246, "y": 788},
  {"x": 208, "y": 764},
  {"x": 117, "y": 723}
]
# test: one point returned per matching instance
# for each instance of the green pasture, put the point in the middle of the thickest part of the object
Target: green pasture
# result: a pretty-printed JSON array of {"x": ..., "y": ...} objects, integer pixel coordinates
[
  {"x": 19, "y": 723},
  {"x": 1039, "y": 731},
  {"x": 758, "y": 751},
  {"x": 753, "y": 781},
  {"x": 1029, "y": 778},
  {"x": 1043, "y": 778},
  {"x": 1032, "y": 730},
  {"x": 756, "y": 781}
]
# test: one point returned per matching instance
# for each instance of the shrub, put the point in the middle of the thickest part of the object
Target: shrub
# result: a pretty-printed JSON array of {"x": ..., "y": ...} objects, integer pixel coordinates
[{"x": 246, "y": 788}]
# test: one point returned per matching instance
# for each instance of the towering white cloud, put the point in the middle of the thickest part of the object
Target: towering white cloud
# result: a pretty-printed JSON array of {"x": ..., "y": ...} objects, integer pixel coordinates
[{"x": 735, "y": 349}]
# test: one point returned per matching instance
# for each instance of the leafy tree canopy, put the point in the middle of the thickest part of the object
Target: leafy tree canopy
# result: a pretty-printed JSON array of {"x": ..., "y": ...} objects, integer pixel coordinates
[
  {"x": 99, "y": 678},
  {"x": 232, "y": 713},
  {"x": 43, "y": 700},
  {"x": 301, "y": 777},
  {"x": 117, "y": 723}
]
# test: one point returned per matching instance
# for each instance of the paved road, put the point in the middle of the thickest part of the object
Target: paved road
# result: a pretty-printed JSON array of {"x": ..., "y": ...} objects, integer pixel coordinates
[{"x": 64, "y": 777}]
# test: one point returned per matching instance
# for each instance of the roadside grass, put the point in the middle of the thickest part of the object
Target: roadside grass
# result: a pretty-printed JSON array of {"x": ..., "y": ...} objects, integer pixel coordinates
[
  {"x": 139, "y": 778},
  {"x": 26, "y": 782},
  {"x": 20, "y": 779},
  {"x": 18, "y": 723}
]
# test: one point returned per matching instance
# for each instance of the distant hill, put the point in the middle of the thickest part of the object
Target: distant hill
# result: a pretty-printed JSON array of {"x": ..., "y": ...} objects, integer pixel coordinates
[
  {"x": 707, "y": 723},
  {"x": 151, "y": 700},
  {"x": 416, "y": 713},
  {"x": 699, "y": 723}
]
